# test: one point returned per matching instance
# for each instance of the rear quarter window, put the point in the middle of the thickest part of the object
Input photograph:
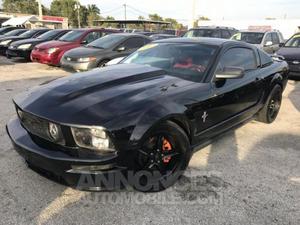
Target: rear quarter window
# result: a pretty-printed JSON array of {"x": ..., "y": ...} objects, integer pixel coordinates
[{"x": 265, "y": 59}]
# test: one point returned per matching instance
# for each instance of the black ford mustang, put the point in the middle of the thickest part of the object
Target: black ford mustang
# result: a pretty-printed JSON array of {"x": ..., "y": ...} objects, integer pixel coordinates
[{"x": 143, "y": 118}]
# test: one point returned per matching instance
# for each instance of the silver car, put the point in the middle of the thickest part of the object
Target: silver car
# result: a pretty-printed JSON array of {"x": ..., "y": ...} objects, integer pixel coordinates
[{"x": 269, "y": 41}]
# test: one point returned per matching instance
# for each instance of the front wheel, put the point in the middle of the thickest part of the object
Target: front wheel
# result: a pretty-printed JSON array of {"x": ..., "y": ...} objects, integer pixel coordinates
[
  {"x": 271, "y": 109},
  {"x": 162, "y": 159}
]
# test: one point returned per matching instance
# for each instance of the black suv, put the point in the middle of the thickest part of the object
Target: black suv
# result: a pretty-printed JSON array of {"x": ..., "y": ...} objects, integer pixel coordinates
[{"x": 212, "y": 32}]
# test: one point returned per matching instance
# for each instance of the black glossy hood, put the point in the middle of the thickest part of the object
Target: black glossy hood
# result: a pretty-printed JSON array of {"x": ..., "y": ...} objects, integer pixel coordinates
[
  {"x": 99, "y": 96},
  {"x": 33, "y": 41},
  {"x": 83, "y": 52},
  {"x": 290, "y": 53}
]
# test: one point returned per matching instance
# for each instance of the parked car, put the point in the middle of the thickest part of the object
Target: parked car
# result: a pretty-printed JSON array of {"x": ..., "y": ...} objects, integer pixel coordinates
[
  {"x": 16, "y": 32},
  {"x": 101, "y": 51},
  {"x": 291, "y": 54},
  {"x": 23, "y": 48},
  {"x": 269, "y": 41},
  {"x": 6, "y": 41},
  {"x": 52, "y": 51},
  {"x": 212, "y": 32},
  {"x": 144, "y": 118},
  {"x": 156, "y": 37},
  {"x": 4, "y": 30}
]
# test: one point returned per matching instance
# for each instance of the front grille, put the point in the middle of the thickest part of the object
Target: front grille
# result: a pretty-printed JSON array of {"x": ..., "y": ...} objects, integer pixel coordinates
[{"x": 38, "y": 127}]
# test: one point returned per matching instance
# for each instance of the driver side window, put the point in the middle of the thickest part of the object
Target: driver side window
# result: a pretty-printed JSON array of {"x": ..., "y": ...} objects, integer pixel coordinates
[
  {"x": 238, "y": 57},
  {"x": 92, "y": 37}
]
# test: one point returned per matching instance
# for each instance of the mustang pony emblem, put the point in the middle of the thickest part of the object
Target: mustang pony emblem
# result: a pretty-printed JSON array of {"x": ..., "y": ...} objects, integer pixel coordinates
[{"x": 204, "y": 116}]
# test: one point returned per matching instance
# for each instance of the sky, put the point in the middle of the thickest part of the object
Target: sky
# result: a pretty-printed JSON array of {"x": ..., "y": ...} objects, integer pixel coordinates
[{"x": 182, "y": 9}]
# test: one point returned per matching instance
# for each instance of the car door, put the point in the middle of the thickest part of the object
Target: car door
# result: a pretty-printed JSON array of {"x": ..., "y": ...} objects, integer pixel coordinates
[
  {"x": 234, "y": 99},
  {"x": 276, "y": 42},
  {"x": 268, "y": 43},
  {"x": 130, "y": 45},
  {"x": 92, "y": 36},
  {"x": 225, "y": 34}
]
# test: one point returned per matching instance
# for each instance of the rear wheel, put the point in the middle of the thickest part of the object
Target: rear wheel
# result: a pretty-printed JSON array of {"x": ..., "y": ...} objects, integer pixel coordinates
[
  {"x": 271, "y": 109},
  {"x": 162, "y": 159}
]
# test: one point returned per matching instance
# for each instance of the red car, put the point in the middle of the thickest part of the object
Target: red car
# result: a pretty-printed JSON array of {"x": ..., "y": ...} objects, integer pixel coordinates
[{"x": 52, "y": 51}]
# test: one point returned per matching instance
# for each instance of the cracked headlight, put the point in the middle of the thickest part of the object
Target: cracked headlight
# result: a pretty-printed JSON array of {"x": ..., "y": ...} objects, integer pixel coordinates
[
  {"x": 94, "y": 138},
  {"x": 6, "y": 42},
  {"x": 25, "y": 46}
]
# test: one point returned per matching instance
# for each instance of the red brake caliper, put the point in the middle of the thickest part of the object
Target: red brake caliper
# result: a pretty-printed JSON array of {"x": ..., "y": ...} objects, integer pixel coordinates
[{"x": 166, "y": 147}]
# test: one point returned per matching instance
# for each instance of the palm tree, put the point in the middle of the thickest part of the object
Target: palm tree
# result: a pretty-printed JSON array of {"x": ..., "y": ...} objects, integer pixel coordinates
[{"x": 93, "y": 9}]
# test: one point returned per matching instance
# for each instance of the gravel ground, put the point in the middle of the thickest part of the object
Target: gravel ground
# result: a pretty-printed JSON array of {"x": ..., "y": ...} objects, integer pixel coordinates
[{"x": 249, "y": 176}]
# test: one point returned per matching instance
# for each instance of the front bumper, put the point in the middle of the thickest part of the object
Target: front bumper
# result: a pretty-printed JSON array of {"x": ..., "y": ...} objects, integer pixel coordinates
[
  {"x": 18, "y": 53},
  {"x": 70, "y": 170},
  {"x": 3, "y": 49},
  {"x": 44, "y": 58},
  {"x": 77, "y": 66}
]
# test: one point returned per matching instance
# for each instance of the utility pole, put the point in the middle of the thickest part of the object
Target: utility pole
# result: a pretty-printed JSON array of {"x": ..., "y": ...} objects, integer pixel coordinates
[
  {"x": 40, "y": 10},
  {"x": 78, "y": 12},
  {"x": 125, "y": 13},
  {"x": 193, "y": 13}
]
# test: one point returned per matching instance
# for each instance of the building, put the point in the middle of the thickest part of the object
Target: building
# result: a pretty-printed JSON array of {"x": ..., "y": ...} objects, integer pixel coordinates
[
  {"x": 33, "y": 21},
  {"x": 286, "y": 26}
]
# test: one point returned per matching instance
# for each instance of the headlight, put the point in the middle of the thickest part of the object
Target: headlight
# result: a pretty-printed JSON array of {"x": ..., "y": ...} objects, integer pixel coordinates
[
  {"x": 25, "y": 46},
  {"x": 52, "y": 50},
  {"x": 6, "y": 42},
  {"x": 94, "y": 138},
  {"x": 88, "y": 59}
]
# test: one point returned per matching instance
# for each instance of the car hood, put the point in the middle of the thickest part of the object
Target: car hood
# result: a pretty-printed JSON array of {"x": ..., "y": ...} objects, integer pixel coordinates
[
  {"x": 101, "y": 95},
  {"x": 56, "y": 44},
  {"x": 290, "y": 53},
  {"x": 28, "y": 41},
  {"x": 83, "y": 52},
  {"x": 11, "y": 38}
]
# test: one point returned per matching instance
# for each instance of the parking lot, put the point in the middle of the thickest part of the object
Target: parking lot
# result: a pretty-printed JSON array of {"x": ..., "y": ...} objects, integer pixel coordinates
[{"x": 248, "y": 176}]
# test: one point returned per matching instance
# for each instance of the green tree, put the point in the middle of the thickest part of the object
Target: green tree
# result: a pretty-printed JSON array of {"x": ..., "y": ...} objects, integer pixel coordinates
[
  {"x": 20, "y": 6},
  {"x": 93, "y": 14},
  {"x": 155, "y": 17},
  {"x": 65, "y": 8},
  {"x": 141, "y": 18},
  {"x": 68, "y": 8}
]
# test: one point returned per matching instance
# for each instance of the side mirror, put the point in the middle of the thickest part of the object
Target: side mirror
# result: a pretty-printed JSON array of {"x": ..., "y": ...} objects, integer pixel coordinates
[
  {"x": 231, "y": 73},
  {"x": 281, "y": 45},
  {"x": 84, "y": 42},
  {"x": 269, "y": 43},
  {"x": 121, "y": 49}
]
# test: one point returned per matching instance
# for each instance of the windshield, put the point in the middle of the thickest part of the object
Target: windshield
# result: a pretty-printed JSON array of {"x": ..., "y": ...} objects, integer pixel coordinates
[
  {"x": 294, "y": 42},
  {"x": 106, "y": 41},
  {"x": 14, "y": 32},
  {"x": 71, "y": 36},
  {"x": 202, "y": 33},
  {"x": 49, "y": 34},
  {"x": 250, "y": 37},
  {"x": 29, "y": 33},
  {"x": 186, "y": 60}
]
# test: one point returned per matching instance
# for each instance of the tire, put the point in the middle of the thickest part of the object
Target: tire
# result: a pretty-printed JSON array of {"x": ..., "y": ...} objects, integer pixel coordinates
[
  {"x": 103, "y": 63},
  {"x": 162, "y": 159},
  {"x": 269, "y": 112}
]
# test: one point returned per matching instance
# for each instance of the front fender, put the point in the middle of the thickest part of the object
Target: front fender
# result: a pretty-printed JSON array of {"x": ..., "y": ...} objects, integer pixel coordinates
[{"x": 153, "y": 117}]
